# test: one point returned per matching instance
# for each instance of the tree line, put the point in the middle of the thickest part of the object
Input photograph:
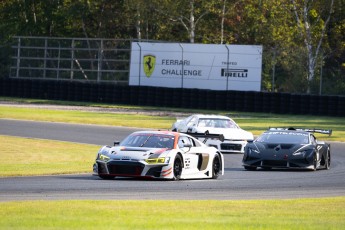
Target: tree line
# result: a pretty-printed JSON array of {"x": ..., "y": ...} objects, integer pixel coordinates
[{"x": 303, "y": 40}]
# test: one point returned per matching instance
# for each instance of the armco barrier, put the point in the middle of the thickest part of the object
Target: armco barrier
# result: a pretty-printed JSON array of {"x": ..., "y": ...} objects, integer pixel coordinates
[
  {"x": 220, "y": 99},
  {"x": 199, "y": 99},
  {"x": 285, "y": 103},
  {"x": 341, "y": 106},
  {"x": 323, "y": 106},
  {"x": 230, "y": 100},
  {"x": 304, "y": 105},
  {"x": 282, "y": 103},
  {"x": 239, "y": 100},
  {"x": 314, "y": 104},
  {"x": 295, "y": 102},
  {"x": 332, "y": 105},
  {"x": 258, "y": 102},
  {"x": 267, "y": 102}
]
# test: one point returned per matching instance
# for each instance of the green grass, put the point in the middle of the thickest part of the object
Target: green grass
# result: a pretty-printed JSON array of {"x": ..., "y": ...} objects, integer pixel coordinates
[
  {"x": 98, "y": 118},
  {"x": 254, "y": 122},
  {"x": 323, "y": 213},
  {"x": 41, "y": 157},
  {"x": 27, "y": 156}
]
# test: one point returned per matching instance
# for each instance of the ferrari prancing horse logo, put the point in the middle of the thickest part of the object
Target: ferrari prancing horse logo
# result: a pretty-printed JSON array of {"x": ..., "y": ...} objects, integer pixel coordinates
[{"x": 149, "y": 64}]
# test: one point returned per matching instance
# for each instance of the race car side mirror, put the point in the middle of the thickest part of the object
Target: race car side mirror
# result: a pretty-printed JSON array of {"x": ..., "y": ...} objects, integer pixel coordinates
[
  {"x": 187, "y": 146},
  {"x": 116, "y": 143}
]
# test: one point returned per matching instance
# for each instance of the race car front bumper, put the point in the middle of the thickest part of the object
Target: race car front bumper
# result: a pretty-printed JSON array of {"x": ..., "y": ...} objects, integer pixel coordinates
[
  {"x": 228, "y": 146},
  {"x": 128, "y": 169},
  {"x": 273, "y": 162}
]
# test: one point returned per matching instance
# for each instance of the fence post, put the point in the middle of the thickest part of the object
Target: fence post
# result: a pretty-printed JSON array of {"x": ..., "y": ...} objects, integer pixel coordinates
[
  {"x": 72, "y": 59},
  {"x": 18, "y": 57},
  {"x": 58, "y": 64},
  {"x": 182, "y": 66},
  {"x": 100, "y": 57},
  {"x": 45, "y": 58},
  {"x": 227, "y": 68}
]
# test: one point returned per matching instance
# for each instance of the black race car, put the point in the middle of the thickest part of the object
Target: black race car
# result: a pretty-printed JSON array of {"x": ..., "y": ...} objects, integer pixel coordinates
[{"x": 288, "y": 148}]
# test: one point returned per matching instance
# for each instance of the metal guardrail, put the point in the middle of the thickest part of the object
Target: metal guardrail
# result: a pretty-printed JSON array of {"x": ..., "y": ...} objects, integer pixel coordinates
[{"x": 100, "y": 60}]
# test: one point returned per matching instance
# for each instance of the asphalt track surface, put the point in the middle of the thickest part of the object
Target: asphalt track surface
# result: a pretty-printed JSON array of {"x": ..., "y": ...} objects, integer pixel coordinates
[{"x": 235, "y": 184}]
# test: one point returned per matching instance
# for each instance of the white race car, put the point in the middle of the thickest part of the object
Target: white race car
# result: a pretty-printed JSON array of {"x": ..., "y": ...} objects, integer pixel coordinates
[
  {"x": 235, "y": 138},
  {"x": 159, "y": 154}
]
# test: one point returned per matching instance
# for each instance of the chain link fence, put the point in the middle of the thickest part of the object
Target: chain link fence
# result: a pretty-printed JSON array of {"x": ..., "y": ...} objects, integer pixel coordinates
[{"x": 99, "y": 60}]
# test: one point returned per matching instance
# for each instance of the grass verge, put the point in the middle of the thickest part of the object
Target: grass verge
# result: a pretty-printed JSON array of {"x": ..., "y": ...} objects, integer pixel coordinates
[
  {"x": 86, "y": 117},
  {"x": 38, "y": 157},
  {"x": 27, "y": 156},
  {"x": 323, "y": 213},
  {"x": 254, "y": 122}
]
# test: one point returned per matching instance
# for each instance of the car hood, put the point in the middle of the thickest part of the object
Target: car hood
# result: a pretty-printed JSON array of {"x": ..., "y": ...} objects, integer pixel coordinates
[
  {"x": 273, "y": 148},
  {"x": 136, "y": 153},
  {"x": 228, "y": 133}
]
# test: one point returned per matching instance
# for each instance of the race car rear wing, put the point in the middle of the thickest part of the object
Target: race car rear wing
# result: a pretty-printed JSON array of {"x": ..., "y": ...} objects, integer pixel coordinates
[
  {"x": 322, "y": 131},
  {"x": 206, "y": 135}
]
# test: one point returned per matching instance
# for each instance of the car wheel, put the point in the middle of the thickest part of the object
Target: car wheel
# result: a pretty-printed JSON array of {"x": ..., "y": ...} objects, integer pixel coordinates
[
  {"x": 106, "y": 177},
  {"x": 216, "y": 167},
  {"x": 328, "y": 160},
  {"x": 250, "y": 168},
  {"x": 177, "y": 168}
]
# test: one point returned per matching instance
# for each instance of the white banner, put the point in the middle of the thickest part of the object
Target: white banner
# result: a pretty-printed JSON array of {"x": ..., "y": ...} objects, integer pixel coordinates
[{"x": 201, "y": 66}]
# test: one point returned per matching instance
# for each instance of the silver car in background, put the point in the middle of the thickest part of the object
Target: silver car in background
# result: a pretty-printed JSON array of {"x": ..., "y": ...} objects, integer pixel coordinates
[{"x": 235, "y": 138}]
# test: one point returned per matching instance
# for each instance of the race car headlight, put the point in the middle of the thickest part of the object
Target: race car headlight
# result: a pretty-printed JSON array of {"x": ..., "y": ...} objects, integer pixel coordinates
[
  {"x": 160, "y": 160},
  {"x": 103, "y": 157},
  {"x": 102, "y": 154},
  {"x": 253, "y": 151},
  {"x": 300, "y": 153}
]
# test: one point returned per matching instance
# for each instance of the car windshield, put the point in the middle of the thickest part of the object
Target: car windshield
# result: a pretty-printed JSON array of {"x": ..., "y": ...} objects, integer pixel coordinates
[
  {"x": 284, "y": 138},
  {"x": 216, "y": 123},
  {"x": 149, "y": 140}
]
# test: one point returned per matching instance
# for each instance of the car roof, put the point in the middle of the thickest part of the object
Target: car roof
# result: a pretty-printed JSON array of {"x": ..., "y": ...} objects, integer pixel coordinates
[
  {"x": 211, "y": 116},
  {"x": 164, "y": 132},
  {"x": 161, "y": 132},
  {"x": 287, "y": 131}
]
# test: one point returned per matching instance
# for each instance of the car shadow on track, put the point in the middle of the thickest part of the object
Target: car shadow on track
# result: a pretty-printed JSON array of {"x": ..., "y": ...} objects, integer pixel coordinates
[
  {"x": 233, "y": 169},
  {"x": 95, "y": 177}
]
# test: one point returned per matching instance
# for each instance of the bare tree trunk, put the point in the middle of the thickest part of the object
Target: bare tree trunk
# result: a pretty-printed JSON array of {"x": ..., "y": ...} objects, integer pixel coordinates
[
  {"x": 138, "y": 22},
  {"x": 306, "y": 34},
  {"x": 222, "y": 23},
  {"x": 191, "y": 22},
  {"x": 88, "y": 43}
]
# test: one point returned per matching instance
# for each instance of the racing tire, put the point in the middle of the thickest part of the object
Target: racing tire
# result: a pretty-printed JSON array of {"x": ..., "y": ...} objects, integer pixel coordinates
[
  {"x": 328, "y": 160},
  {"x": 177, "y": 167},
  {"x": 216, "y": 166},
  {"x": 106, "y": 177},
  {"x": 250, "y": 168}
]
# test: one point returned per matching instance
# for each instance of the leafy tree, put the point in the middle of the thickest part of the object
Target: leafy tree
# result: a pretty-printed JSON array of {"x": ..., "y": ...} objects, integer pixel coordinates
[
  {"x": 185, "y": 15},
  {"x": 303, "y": 40},
  {"x": 332, "y": 64},
  {"x": 312, "y": 24}
]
